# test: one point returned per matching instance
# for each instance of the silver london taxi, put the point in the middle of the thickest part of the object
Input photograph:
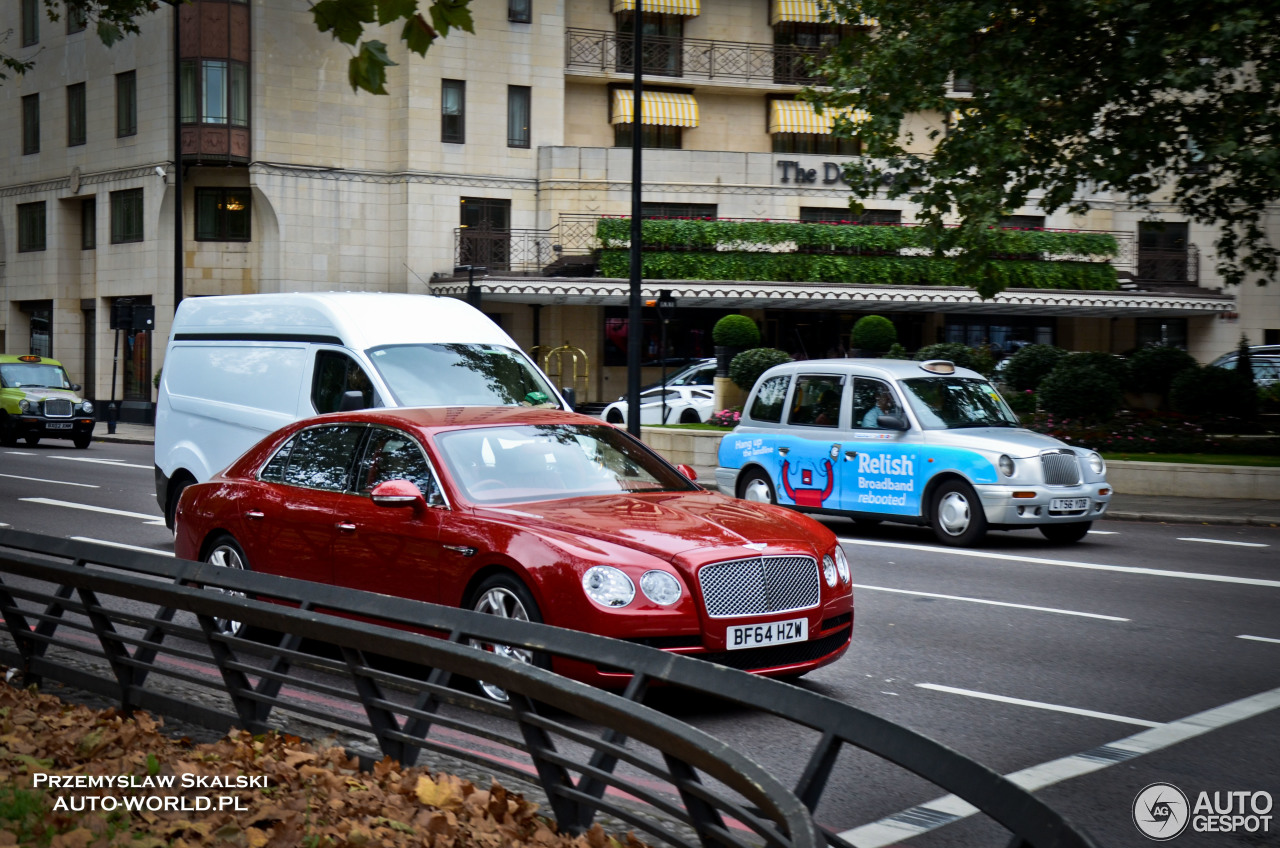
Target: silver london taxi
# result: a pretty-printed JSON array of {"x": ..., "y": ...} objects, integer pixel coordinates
[{"x": 914, "y": 442}]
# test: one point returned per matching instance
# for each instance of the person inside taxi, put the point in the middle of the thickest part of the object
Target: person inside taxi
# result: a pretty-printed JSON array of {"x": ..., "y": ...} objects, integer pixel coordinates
[{"x": 884, "y": 406}]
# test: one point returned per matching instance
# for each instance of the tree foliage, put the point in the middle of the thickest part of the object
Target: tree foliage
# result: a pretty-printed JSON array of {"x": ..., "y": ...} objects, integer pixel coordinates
[
  {"x": 345, "y": 19},
  {"x": 1176, "y": 102}
]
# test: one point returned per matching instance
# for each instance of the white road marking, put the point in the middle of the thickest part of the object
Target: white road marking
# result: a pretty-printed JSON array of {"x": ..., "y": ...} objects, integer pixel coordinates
[
  {"x": 992, "y": 603},
  {"x": 1223, "y": 542},
  {"x": 21, "y": 453},
  {"x": 1260, "y": 639},
  {"x": 153, "y": 519},
  {"x": 1123, "y": 569},
  {"x": 59, "y": 482},
  {"x": 1104, "y": 532},
  {"x": 1057, "y": 708},
  {"x": 949, "y": 808},
  {"x": 118, "y": 463},
  {"x": 122, "y": 545}
]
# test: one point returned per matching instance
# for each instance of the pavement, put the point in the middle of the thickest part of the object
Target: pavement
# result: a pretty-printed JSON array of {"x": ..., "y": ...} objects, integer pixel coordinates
[{"x": 1156, "y": 508}]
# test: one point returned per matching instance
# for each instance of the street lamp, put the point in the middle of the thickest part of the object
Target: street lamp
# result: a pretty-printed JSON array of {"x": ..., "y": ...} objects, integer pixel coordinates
[{"x": 473, "y": 293}]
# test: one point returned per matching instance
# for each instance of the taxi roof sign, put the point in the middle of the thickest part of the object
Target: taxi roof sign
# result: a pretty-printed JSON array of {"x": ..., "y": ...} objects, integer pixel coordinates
[
  {"x": 30, "y": 357},
  {"x": 939, "y": 366}
]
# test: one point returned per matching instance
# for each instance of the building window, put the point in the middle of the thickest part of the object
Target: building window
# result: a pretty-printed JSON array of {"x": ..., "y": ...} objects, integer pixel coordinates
[
  {"x": 662, "y": 47},
  {"x": 820, "y": 143},
  {"x": 39, "y": 326},
  {"x": 31, "y": 124},
  {"x": 126, "y": 104},
  {"x": 1022, "y": 222},
  {"x": 222, "y": 214},
  {"x": 677, "y": 210},
  {"x": 653, "y": 136},
  {"x": 453, "y": 111},
  {"x": 1162, "y": 332},
  {"x": 832, "y": 215},
  {"x": 519, "y": 102},
  {"x": 30, "y": 22},
  {"x": 520, "y": 11},
  {"x": 77, "y": 19},
  {"x": 126, "y": 216},
  {"x": 89, "y": 223},
  {"x": 215, "y": 91},
  {"x": 485, "y": 235},
  {"x": 75, "y": 115},
  {"x": 31, "y": 227},
  {"x": 1006, "y": 334}
]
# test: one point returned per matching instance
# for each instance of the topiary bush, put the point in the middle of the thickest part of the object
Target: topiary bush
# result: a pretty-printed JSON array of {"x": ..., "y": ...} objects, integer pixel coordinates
[
  {"x": 1213, "y": 393},
  {"x": 873, "y": 333},
  {"x": 1152, "y": 369},
  {"x": 1029, "y": 366},
  {"x": 961, "y": 355},
  {"x": 1078, "y": 388},
  {"x": 896, "y": 351},
  {"x": 747, "y": 366},
  {"x": 736, "y": 331},
  {"x": 1113, "y": 366}
]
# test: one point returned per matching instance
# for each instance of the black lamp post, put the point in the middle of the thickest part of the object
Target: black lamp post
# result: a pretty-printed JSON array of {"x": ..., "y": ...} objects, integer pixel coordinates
[{"x": 473, "y": 293}]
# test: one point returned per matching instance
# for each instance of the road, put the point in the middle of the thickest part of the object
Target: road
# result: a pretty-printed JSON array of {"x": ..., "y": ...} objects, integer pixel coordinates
[{"x": 1148, "y": 653}]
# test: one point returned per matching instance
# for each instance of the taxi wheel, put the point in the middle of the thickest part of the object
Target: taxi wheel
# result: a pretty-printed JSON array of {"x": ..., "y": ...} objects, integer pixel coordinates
[
  {"x": 82, "y": 442},
  {"x": 505, "y": 596},
  {"x": 756, "y": 487},
  {"x": 7, "y": 437},
  {"x": 957, "y": 517},
  {"x": 1065, "y": 534},
  {"x": 225, "y": 552},
  {"x": 690, "y": 416},
  {"x": 32, "y": 441}
]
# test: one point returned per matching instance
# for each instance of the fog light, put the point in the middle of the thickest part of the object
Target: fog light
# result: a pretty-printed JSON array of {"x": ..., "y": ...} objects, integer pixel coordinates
[
  {"x": 1104, "y": 492},
  {"x": 1024, "y": 494}
]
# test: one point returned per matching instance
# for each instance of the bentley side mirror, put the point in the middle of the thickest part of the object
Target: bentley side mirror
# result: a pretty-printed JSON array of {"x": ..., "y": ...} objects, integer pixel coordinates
[
  {"x": 397, "y": 493},
  {"x": 687, "y": 470}
]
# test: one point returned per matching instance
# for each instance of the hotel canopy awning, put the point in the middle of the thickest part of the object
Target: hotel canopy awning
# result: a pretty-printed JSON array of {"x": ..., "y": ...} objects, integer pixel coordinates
[
  {"x": 687, "y": 8},
  {"x": 797, "y": 116},
  {"x": 657, "y": 108},
  {"x": 808, "y": 12}
]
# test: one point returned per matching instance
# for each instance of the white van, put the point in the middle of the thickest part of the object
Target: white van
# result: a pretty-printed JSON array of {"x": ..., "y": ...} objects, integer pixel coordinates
[{"x": 240, "y": 367}]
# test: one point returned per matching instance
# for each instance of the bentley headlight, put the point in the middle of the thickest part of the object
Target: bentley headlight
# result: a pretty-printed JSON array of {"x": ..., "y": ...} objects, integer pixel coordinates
[
  {"x": 829, "y": 571},
  {"x": 842, "y": 564},
  {"x": 87, "y": 407},
  {"x": 608, "y": 586},
  {"x": 1096, "y": 463},
  {"x": 24, "y": 405},
  {"x": 660, "y": 587},
  {"x": 1006, "y": 465}
]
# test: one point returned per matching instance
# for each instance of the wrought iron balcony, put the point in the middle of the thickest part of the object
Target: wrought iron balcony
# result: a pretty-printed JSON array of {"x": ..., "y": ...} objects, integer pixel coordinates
[
  {"x": 1169, "y": 266},
  {"x": 601, "y": 51}
]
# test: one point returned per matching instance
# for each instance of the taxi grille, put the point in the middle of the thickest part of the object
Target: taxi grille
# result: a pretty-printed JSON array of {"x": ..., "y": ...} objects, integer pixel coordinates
[
  {"x": 1061, "y": 468},
  {"x": 57, "y": 408},
  {"x": 759, "y": 585}
]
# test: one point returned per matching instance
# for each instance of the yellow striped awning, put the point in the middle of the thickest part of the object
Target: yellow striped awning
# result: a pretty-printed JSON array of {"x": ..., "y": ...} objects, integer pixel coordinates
[
  {"x": 661, "y": 108},
  {"x": 809, "y": 12},
  {"x": 797, "y": 116},
  {"x": 688, "y": 8}
]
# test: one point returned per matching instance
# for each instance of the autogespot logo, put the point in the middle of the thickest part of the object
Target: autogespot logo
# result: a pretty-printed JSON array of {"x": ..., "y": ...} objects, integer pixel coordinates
[{"x": 1160, "y": 811}]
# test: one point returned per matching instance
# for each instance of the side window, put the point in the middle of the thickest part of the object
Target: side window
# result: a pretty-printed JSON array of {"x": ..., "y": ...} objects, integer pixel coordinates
[
  {"x": 767, "y": 405},
  {"x": 323, "y": 457},
  {"x": 816, "y": 400},
  {"x": 393, "y": 455},
  {"x": 273, "y": 471},
  {"x": 871, "y": 399},
  {"x": 337, "y": 373}
]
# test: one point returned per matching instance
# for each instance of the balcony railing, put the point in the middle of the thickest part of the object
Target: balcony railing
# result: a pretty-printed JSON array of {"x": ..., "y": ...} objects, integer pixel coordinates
[
  {"x": 606, "y": 52},
  {"x": 1169, "y": 266}
]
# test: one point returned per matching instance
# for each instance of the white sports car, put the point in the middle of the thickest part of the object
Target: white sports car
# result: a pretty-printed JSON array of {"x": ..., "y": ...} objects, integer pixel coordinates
[{"x": 683, "y": 405}]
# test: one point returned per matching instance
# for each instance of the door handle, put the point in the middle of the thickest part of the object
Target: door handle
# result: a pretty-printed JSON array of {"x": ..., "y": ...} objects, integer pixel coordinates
[
  {"x": 345, "y": 527},
  {"x": 255, "y": 515},
  {"x": 849, "y": 456},
  {"x": 784, "y": 451}
]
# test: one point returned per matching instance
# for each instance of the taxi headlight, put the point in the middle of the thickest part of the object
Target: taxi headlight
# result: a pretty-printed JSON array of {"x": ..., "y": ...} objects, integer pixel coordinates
[
  {"x": 1006, "y": 465},
  {"x": 842, "y": 564},
  {"x": 608, "y": 586},
  {"x": 87, "y": 406},
  {"x": 660, "y": 587},
  {"x": 829, "y": 571},
  {"x": 24, "y": 405},
  {"x": 1096, "y": 463}
]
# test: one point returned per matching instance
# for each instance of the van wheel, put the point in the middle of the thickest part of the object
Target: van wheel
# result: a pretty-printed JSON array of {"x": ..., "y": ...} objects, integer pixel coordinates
[
  {"x": 957, "y": 516},
  {"x": 756, "y": 486},
  {"x": 505, "y": 596},
  {"x": 1065, "y": 534},
  {"x": 225, "y": 552}
]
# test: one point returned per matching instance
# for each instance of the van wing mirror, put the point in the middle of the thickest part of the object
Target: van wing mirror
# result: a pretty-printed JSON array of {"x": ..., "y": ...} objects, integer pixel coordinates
[
  {"x": 893, "y": 422},
  {"x": 351, "y": 401}
]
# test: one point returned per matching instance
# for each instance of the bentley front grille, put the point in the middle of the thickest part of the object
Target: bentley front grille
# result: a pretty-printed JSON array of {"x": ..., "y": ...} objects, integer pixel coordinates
[{"x": 760, "y": 585}]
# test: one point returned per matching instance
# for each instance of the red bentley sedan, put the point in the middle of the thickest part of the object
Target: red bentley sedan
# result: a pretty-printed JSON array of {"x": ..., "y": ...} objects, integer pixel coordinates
[{"x": 532, "y": 514}]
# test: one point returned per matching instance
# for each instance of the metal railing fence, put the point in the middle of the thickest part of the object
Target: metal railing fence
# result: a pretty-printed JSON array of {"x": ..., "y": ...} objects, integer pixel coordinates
[{"x": 140, "y": 628}]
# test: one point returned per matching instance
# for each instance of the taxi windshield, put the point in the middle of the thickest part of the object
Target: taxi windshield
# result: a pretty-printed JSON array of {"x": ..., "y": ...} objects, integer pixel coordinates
[
  {"x": 19, "y": 375},
  {"x": 951, "y": 403},
  {"x": 461, "y": 375}
]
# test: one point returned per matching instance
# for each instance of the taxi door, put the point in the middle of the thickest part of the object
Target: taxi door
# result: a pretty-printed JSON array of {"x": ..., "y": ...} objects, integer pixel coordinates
[
  {"x": 809, "y": 448},
  {"x": 880, "y": 469}
]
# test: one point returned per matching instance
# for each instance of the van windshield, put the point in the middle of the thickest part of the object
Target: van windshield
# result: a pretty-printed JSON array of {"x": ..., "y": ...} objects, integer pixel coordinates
[
  {"x": 950, "y": 403},
  {"x": 460, "y": 375}
]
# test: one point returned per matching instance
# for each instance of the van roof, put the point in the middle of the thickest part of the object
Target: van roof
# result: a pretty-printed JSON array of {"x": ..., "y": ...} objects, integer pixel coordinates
[{"x": 360, "y": 319}]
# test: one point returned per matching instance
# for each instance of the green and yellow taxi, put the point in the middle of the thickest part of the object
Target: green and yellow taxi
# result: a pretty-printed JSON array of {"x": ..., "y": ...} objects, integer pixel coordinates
[{"x": 39, "y": 401}]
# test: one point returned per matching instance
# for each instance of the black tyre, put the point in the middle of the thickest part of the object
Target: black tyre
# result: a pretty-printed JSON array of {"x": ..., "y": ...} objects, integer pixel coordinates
[
  {"x": 756, "y": 486},
  {"x": 1065, "y": 534},
  {"x": 614, "y": 416},
  {"x": 82, "y": 442},
  {"x": 177, "y": 486},
  {"x": 690, "y": 416},
  {"x": 225, "y": 552},
  {"x": 505, "y": 596},
  {"x": 866, "y": 523},
  {"x": 32, "y": 441},
  {"x": 8, "y": 438},
  {"x": 957, "y": 516}
]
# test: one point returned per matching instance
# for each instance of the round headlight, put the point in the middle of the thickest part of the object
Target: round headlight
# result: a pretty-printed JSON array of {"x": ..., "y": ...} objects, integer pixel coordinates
[
  {"x": 1097, "y": 463},
  {"x": 87, "y": 406},
  {"x": 24, "y": 405},
  {"x": 660, "y": 587},
  {"x": 842, "y": 564},
  {"x": 829, "y": 570},
  {"x": 1006, "y": 465},
  {"x": 608, "y": 586}
]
